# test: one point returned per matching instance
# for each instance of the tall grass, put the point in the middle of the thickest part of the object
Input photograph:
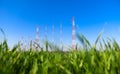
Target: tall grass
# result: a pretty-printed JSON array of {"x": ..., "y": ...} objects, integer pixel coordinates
[{"x": 101, "y": 58}]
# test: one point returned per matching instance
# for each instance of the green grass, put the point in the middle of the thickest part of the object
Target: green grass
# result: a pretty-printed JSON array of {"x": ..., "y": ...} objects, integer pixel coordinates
[{"x": 103, "y": 57}]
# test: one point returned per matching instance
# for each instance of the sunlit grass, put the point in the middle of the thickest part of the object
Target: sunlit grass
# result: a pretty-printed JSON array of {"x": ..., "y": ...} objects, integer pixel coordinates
[{"x": 103, "y": 57}]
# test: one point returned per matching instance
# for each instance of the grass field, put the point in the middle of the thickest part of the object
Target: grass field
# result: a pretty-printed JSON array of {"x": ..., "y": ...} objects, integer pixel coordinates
[{"x": 101, "y": 58}]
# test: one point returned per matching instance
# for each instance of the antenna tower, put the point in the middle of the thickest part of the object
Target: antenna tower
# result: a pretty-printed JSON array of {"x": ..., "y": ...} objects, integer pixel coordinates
[
  {"x": 53, "y": 33},
  {"x": 37, "y": 37},
  {"x": 46, "y": 32},
  {"x": 73, "y": 34},
  {"x": 61, "y": 43}
]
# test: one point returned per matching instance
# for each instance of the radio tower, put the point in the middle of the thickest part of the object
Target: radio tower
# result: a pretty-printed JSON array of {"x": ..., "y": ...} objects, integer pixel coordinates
[
  {"x": 22, "y": 43},
  {"x": 37, "y": 37},
  {"x": 30, "y": 45},
  {"x": 53, "y": 34},
  {"x": 61, "y": 45},
  {"x": 73, "y": 34},
  {"x": 46, "y": 41},
  {"x": 46, "y": 31}
]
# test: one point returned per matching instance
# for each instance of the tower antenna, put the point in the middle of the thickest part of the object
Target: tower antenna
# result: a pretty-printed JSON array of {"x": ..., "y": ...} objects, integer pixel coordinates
[
  {"x": 46, "y": 43},
  {"x": 37, "y": 37},
  {"x": 53, "y": 33},
  {"x": 46, "y": 32},
  {"x": 73, "y": 34},
  {"x": 61, "y": 42}
]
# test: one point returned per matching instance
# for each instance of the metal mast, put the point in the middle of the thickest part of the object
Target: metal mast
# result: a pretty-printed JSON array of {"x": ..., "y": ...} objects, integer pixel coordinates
[
  {"x": 37, "y": 37},
  {"x": 46, "y": 41},
  {"x": 22, "y": 43},
  {"x": 53, "y": 33},
  {"x": 73, "y": 34},
  {"x": 46, "y": 32},
  {"x": 61, "y": 43}
]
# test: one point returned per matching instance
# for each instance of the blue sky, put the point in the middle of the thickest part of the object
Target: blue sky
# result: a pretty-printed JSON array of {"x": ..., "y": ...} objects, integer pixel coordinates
[{"x": 20, "y": 17}]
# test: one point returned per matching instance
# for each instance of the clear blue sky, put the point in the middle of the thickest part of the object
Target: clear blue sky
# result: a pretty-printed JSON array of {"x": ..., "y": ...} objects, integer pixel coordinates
[{"x": 20, "y": 17}]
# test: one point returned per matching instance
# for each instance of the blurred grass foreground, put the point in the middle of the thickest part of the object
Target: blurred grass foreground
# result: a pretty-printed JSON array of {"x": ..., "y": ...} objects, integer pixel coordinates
[{"x": 103, "y": 57}]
